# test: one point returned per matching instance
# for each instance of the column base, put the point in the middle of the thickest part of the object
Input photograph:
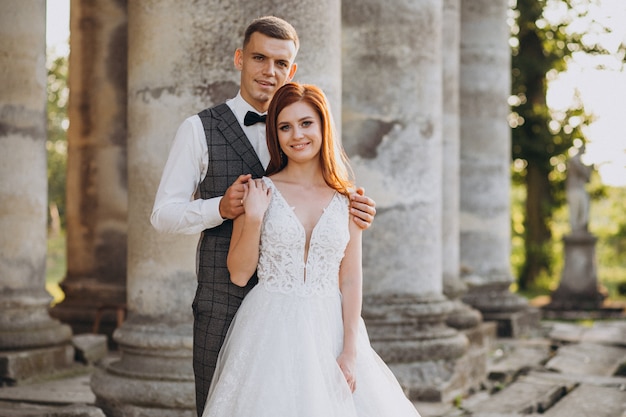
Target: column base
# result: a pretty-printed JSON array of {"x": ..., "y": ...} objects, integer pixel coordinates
[
  {"x": 123, "y": 396},
  {"x": 410, "y": 334},
  {"x": 578, "y": 288},
  {"x": 563, "y": 300},
  {"x": 510, "y": 311},
  {"x": 493, "y": 297},
  {"x": 31, "y": 343},
  {"x": 154, "y": 375},
  {"x": 26, "y": 324},
  {"x": 445, "y": 380},
  {"x": 409, "y": 328},
  {"x": 463, "y": 316}
]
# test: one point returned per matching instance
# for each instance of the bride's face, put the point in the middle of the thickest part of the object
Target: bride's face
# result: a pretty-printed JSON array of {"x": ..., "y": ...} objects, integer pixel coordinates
[{"x": 299, "y": 132}]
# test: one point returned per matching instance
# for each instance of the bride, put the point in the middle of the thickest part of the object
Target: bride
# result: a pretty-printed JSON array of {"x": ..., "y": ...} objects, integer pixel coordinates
[{"x": 298, "y": 347}]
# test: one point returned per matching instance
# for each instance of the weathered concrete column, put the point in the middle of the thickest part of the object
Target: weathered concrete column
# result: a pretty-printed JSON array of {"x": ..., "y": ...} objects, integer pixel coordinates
[
  {"x": 97, "y": 203},
  {"x": 472, "y": 368},
  {"x": 392, "y": 124},
  {"x": 463, "y": 316},
  {"x": 180, "y": 62},
  {"x": 485, "y": 159},
  {"x": 154, "y": 375},
  {"x": 31, "y": 342},
  {"x": 318, "y": 24}
]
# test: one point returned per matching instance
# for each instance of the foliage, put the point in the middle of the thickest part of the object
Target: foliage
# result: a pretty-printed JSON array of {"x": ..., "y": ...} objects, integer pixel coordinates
[
  {"x": 541, "y": 136},
  {"x": 607, "y": 222},
  {"x": 56, "y": 143}
]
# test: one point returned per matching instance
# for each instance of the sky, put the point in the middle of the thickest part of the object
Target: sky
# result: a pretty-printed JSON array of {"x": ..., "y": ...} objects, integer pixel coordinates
[
  {"x": 603, "y": 92},
  {"x": 58, "y": 27}
]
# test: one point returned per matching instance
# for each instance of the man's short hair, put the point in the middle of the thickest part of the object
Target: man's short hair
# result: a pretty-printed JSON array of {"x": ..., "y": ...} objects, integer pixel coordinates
[{"x": 273, "y": 27}]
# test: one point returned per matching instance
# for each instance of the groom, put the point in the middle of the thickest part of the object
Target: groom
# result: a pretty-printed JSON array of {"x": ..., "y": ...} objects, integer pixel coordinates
[{"x": 214, "y": 153}]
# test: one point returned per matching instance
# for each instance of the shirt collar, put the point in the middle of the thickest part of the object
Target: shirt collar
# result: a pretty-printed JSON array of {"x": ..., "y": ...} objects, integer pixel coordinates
[{"x": 240, "y": 107}]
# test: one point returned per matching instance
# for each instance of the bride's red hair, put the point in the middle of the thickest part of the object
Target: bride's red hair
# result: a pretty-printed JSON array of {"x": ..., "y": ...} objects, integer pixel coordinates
[{"x": 333, "y": 160}]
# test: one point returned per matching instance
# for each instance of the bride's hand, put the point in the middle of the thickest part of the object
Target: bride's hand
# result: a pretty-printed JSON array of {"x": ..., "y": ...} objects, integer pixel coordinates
[
  {"x": 256, "y": 198},
  {"x": 347, "y": 365}
]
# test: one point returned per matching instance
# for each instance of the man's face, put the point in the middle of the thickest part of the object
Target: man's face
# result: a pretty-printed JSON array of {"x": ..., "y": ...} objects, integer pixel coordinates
[{"x": 266, "y": 64}]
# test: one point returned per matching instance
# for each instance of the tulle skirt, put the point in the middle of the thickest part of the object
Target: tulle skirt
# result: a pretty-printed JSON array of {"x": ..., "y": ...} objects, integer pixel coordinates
[{"x": 279, "y": 360}]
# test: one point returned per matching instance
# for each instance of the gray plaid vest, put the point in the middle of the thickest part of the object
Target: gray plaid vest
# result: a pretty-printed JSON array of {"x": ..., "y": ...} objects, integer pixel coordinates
[{"x": 230, "y": 155}]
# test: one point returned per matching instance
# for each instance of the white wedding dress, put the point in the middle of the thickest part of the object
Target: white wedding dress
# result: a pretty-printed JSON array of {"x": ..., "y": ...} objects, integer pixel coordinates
[{"x": 279, "y": 357}]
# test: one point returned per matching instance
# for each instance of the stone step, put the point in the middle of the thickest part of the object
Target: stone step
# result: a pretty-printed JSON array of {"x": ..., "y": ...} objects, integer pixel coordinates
[
  {"x": 600, "y": 381},
  {"x": 63, "y": 391},
  {"x": 590, "y": 400},
  {"x": 511, "y": 358},
  {"x": 24, "y": 365},
  {"x": 605, "y": 333},
  {"x": 525, "y": 396},
  {"x": 10, "y": 409},
  {"x": 588, "y": 359}
]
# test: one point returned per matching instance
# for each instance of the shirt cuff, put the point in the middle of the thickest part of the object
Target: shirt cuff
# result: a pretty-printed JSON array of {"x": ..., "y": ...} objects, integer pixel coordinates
[{"x": 211, "y": 212}]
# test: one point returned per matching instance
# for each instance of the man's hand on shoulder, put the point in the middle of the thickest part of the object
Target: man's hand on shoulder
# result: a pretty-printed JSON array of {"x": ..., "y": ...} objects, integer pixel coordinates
[
  {"x": 231, "y": 205},
  {"x": 362, "y": 208}
]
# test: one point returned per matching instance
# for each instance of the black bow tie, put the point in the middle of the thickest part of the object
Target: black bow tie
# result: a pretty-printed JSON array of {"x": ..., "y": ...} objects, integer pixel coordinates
[{"x": 252, "y": 118}]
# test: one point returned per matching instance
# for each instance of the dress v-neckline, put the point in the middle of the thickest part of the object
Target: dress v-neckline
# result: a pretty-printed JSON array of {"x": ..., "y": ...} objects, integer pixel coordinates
[{"x": 307, "y": 247}]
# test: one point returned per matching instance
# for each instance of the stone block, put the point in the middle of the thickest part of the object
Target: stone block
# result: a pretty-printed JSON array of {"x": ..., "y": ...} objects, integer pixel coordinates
[
  {"x": 588, "y": 359},
  {"x": 516, "y": 324},
  {"x": 566, "y": 332},
  {"x": 521, "y": 397},
  {"x": 10, "y": 409},
  {"x": 25, "y": 364},
  {"x": 589, "y": 400},
  {"x": 512, "y": 357},
  {"x": 59, "y": 391},
  {"x": 577, "y": 379},
  {"x": 90, "y": 348},
  {"x": 606, "y": 333}
]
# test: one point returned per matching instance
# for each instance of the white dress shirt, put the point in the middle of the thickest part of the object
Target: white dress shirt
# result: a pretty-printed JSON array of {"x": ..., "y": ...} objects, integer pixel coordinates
[{"x": 175, "y": 210}]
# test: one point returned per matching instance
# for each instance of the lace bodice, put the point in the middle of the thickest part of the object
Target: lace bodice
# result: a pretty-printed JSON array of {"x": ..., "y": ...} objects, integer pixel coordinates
[{"x": 282, "y": 266}]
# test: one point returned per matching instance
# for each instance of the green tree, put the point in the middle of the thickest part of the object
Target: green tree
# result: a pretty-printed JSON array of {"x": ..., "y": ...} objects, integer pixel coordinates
[
  {"x": 541, "y": 137},
  {"x": 56, "y": 143}
]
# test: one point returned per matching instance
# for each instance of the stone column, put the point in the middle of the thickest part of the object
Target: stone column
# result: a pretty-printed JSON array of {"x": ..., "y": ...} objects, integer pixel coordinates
[
  {"x": 463, "y": 316},
  {"x": 485, "y": 159},
  {"x": 180, "y": 62},
  {"x": 96, "y": 178},
  {"x": 318, "y": 24},
  {"x": 31, "y": 342},
  {"x": 154, "y": 375},
  {"x": 392, "y": 124}
]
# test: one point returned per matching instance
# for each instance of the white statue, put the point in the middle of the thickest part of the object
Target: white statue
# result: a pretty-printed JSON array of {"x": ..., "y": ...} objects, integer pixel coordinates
[{"x": 578, "y": 175}]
